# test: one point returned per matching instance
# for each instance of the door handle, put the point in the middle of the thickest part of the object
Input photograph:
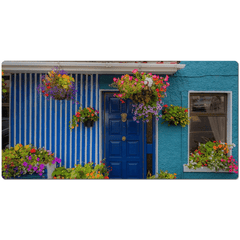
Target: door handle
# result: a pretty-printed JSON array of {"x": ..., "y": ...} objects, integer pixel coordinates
[
  {"x": 123, "y": 138},
  {"x": 124, "y": 117}
]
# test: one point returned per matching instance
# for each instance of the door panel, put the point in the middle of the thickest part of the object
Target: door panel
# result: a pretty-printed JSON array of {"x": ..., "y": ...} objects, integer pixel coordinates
[{"x": 124, "y": 156}]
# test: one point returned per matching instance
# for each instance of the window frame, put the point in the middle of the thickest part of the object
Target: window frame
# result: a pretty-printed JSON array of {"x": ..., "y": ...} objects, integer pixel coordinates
[{"x": 228, "y": 128}]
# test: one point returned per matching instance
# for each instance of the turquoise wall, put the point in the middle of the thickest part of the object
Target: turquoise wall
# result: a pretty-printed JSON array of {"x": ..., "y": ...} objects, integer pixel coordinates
[{"x": 173, "y": 140}]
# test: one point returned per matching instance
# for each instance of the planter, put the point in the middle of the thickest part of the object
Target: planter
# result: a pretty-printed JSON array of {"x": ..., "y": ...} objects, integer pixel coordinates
[
  {"x": 46, "y": 175},
  {"x": 89, "y": 123}
]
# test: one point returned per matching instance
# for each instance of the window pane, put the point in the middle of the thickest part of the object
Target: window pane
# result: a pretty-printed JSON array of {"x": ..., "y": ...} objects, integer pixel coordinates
[
  {"x": 149, "y": 164},
  {"x": 149, "y": 131},
  {"x": 214, "y": 103},
  {"x": 204, "y": 129}
]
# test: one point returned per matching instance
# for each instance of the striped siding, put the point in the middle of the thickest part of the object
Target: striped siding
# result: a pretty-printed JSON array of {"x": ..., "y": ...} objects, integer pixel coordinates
[{"x": 45, "y": 123}]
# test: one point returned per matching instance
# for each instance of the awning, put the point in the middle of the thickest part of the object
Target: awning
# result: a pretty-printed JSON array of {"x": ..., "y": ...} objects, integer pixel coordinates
[{"x": 103, "y": 67}]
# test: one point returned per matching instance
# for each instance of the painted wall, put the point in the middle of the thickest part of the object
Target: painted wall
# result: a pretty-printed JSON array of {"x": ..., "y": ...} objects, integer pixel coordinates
[
  {"x": 45, "y": 123},
  {"x": 173, "y": 140}
]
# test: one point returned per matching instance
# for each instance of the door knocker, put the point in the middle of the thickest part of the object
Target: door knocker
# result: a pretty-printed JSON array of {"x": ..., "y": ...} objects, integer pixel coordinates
[{"x": 124, "y": 117}]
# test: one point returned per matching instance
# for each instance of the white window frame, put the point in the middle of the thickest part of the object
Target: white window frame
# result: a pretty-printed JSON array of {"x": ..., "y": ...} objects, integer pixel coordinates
[{"x": 229, "y": 128}]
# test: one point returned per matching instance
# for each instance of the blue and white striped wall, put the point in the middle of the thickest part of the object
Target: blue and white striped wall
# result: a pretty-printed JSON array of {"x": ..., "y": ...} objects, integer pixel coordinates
[{"x": 45, "y": 123}]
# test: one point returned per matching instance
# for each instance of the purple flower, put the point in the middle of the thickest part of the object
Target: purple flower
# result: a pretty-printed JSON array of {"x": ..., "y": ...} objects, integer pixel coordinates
[
  {"x": 29, "y": 167},
  {"x": 30, "y": 158},
  {"x": 42, "y": 166},
  {"x": 25, "y": 164},
  {"x": 21, "y": 172},
  {"x": 40, "y": 174},
  {"x": 35, "y": 168},
  {"x": 38, "y": 159}
]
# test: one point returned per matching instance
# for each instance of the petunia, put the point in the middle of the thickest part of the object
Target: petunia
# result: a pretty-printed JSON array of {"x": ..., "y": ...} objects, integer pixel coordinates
[
  {"x": 135, "y": 71},
  {"x": 25, "y": 164},
  {"x": 35, "y": 168},
  {"x": 42, "y": 166},
  {"x": 30, "y": 158},
  {"x": 38, "y": 159}
]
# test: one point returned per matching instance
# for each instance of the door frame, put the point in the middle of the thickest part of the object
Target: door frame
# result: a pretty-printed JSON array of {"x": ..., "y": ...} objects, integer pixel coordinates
[{"x": 101, "y": 134}]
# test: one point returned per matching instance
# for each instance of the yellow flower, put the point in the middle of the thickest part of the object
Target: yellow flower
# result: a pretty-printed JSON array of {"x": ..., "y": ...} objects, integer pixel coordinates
[
  {"x": 72, "y": 168},
  {"x": 16, "y": 148},
  {"x": 72, "y": 127},
  {"x": 27, "y": 146},
  {"x": 87, "y": 174},
  {"x": 175, "y": 174}
]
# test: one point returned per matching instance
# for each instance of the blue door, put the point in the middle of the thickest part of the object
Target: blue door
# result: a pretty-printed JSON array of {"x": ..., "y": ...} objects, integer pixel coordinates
[{"x": 123, "y": 139}]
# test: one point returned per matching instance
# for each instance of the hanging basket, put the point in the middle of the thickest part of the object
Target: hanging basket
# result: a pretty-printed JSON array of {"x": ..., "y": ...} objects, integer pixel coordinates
[
  {"x": 89, "y": 123},
  {"x": 144, "y": 97}
]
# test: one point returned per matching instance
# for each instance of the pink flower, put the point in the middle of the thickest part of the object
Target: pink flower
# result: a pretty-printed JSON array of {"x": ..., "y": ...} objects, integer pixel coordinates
[
  {"x": 115, "y": 79},
  {"x": 143, "y": 86},
  {"x": 222, "y": 160},
  {"x": 142, "y": 82},
  {"x": 229, "y": 161},
  {"x": 235, "y": 171},
  {"x": 135, "y": 83},
  {"x": 230, "y": 170},
  {"x": 130, "y": 78},
  {"x": 135, "y": 71},
  {"x": 142, "y": 73},
  {"x": 166, "y": 79},
  {"x": 168, "y": 84},
  {"x": 122, "y": 82},
  {"x": 132, "y": 85},
  {"x": 136, "y": 79},
  {"x": 236, "y": 167},
  {"x": 154, "y": 76},
  {"x": 164, "y": 86},
  {"x": 114, "y": 94},
  {"x": 150, "y": 74},
  {"x": 120, "y": 95},
  {"x": 230, "y": 166}
]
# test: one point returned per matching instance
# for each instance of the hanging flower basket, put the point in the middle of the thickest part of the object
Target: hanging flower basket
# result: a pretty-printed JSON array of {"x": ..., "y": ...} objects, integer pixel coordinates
[
  {"x": 175, "y": 115},
  {"x": 86, "y": 115},
  {"x": 58, "y": 85},
  {"x": 89, "y": 123},
  {"x": 145, "y": 90}
]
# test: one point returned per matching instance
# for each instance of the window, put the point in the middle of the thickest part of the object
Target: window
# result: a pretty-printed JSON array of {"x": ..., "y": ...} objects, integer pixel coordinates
[{"x": 208, "y": 112}]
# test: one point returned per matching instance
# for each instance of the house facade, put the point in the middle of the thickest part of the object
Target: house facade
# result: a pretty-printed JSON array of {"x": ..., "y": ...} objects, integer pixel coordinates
[{"x": 208, "y": 89}]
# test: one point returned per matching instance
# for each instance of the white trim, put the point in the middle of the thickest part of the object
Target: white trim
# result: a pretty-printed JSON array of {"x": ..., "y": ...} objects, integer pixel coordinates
[
  {"x": 86, "y": 102},
  {"x": 15, "y": 82},
  {"x": 40, "y": 112},
  {"x": 97, "y": 125},
  {"x": 76, "y": 88},
  {"x": 20, "y": 105},
  {"x": 65, "y": 137},
  {"x": 70, "y": 165},
  {"x": 91, "y": 104},
  {"x": 81, "y": 86},
  {"x": 30, "y": 111},
  {"x": 202, "y": 169},
  {"x": 229, "y": 127},
  {"x": 10, "y": 111},
  {"x": 35, "y": 111},
  {"x": 91, "y": 67}
]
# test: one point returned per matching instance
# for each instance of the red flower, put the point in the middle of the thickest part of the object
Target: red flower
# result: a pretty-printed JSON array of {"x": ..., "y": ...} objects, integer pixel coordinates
[
  {"x": 106, "y": 177},
  {"x": 165, "y": 105},
  {"x": 43, "y": 91},
  {"x": 186, "y": 110},
  {"x": 48, "y": 87},
  {"x": 157, "y": 90},
  {"x": 5, "y": 166},
  {"x": 33, "y": 150},
  {"x": 46, "y": 95}
]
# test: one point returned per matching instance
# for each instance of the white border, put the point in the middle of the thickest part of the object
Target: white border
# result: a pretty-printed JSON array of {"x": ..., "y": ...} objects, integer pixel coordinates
[{"x": 229, "y": 128}]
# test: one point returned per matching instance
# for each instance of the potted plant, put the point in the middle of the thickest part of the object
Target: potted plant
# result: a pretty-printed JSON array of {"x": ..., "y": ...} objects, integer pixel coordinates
[
  {"x": 162, "y": 175},
  {"x": 88, "y": 171},
  {"x": 86, "y": 115},
  {"x": 58, "y": 85},
  {"x": 20, "y": 161},
  {"x": 4, "y": 90},
  {"x": 145, "y": 90},
  {"x": 213, "y": 155},
  {"x": 175, "y": 115}
]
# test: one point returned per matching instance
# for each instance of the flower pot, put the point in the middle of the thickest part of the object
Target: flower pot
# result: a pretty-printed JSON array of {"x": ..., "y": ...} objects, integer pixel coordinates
[{"x": 89, "y": 123}]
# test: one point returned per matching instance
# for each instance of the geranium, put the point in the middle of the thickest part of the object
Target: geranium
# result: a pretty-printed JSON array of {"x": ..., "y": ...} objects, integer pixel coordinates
[
  {"x": 175, "y": 115},
  {"x": 213, "y": 155},
  {"x": 58, "y": 85},
  {"x": 146, "y": 90},
  {"x": 84, "y": 115}
]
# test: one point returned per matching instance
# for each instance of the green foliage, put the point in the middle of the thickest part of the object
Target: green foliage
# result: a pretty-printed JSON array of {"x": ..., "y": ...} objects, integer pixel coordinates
[
  {"x": 88, "y": 171},
  {"x": 176, "y": 115},
  {"x": 14, "y": 159},
  {"x": 213, "y": 155},
  {"x": 84, "y": 115},
  {"x": 4, "y": 90},
  {"x": 162, "y": 175}
]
